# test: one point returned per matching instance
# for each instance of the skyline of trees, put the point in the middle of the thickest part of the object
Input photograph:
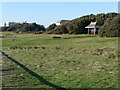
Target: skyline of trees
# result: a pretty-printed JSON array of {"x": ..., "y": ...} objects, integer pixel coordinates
[{"x": 75, "y": 26}]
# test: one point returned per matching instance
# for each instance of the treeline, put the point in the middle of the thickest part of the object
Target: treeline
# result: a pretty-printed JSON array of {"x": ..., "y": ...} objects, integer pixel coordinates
[
  {"x": 110, "y": 26},
  {"x": 77, "y": 26},
  {"x": 25, "y": 27}
]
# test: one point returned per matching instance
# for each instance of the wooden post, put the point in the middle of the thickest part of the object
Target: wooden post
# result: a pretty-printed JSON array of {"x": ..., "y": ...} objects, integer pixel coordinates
[
  {"x": 94, "y": 30},
  {"x": 88, "y": 30}
]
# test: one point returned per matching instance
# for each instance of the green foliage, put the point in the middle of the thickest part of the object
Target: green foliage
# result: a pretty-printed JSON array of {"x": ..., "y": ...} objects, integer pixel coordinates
[
  {"x": 111, "y": 28},
  {"x": 25, "y": 27},
  {"x": 77, "y": 26},
  {"x": 3, "y": 28},
  {"x": 52, "y": 26}
]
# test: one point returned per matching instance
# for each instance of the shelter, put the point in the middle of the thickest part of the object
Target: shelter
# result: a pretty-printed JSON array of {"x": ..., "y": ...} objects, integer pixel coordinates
[{"x": 93, "y": 28}]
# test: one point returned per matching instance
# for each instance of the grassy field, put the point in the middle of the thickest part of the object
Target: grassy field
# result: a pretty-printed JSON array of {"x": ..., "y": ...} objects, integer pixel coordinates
[{"x": 73, "y": 61}]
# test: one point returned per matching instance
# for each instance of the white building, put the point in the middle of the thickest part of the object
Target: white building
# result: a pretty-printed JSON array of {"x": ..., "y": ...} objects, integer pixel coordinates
[
  {"x": 61, "y": 22},
  {"x": 93, "y": 28}
]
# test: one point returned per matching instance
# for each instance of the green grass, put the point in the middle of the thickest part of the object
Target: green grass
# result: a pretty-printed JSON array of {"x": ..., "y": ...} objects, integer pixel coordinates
[{"x": 73, "y": 61}]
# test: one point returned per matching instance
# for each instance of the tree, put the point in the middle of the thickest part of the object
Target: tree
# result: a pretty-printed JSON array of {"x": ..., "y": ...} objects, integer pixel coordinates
[
  {"x": 25, "y": 27},
  {"x": 111, "y": 28},
  {"x": 77, "y": 26},
  {"x": 52, "y": 26}
]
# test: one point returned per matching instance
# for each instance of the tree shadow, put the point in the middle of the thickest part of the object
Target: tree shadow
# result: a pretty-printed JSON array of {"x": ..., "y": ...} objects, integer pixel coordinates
[
  {"x": 41, "y": 79},
  {"x": 80, "y": 37}
]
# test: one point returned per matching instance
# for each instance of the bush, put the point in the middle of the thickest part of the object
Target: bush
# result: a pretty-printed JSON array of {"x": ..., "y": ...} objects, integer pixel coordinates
[
  {"x": 52, "y": 26},
  {"x": 77, "y": 26},
  {"x": 25, "y": 27},
  {"x": 3, "y": 28},
  {"x": 111, "y": 28}
]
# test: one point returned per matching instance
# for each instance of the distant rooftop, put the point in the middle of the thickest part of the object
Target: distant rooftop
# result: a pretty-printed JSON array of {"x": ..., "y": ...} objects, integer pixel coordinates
[{"x": 61, "y": 21}]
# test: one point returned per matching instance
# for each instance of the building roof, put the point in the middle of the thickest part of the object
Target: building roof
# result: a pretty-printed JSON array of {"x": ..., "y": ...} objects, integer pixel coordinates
[
  {"x": 93, "y": 25},
  {"x": 61, "y": 21}
]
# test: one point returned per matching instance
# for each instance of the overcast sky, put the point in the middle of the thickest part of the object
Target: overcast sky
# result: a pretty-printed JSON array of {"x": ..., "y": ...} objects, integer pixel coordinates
[{"x": 46, "y": 13}]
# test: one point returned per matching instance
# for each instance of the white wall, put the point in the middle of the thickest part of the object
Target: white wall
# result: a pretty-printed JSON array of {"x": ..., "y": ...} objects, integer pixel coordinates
[{"x": 57, "y": 24}]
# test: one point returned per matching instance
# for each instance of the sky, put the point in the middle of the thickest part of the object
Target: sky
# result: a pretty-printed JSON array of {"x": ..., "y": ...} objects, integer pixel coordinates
[{"x": 46, "y": 13}]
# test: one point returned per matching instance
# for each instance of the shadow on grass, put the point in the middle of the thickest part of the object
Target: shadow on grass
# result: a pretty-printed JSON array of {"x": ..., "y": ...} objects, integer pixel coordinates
[
  {"x": 41, "y": 79},
  {"x": 80, "y": 36}
]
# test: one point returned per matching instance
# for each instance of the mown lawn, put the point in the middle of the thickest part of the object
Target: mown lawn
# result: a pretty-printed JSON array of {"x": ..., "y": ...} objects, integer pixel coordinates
[{"x": 73, "y": 61}]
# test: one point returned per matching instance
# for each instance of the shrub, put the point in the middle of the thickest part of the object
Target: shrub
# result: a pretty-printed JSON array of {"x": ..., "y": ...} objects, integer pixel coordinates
[
  {"x": 77, "y": 26},
  {"x": 111, "y": 28},
  {"x": 25, "y": 27},
  {"x": 52, "y": 26}
]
